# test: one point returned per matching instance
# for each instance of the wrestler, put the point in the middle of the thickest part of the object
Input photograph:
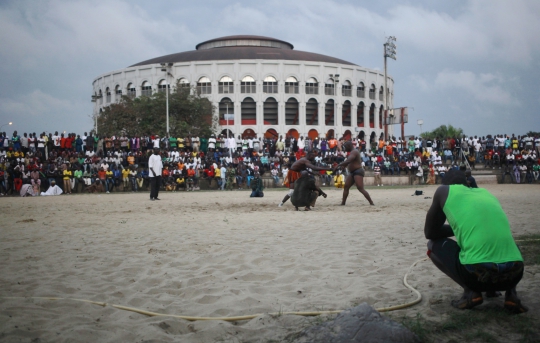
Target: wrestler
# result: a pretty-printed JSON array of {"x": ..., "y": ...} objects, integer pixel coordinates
[
  {"x": 294, "y": 172},
  {"x": 356, "y": 173},
  {"x": 305, "y": 192}
]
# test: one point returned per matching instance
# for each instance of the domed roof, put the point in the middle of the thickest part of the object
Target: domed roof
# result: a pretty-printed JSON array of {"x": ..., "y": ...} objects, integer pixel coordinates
[{"x": 243, "y": 47}]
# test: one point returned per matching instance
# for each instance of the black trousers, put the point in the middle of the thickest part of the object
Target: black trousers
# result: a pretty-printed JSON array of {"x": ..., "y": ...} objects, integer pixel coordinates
[
  {"x": 480, "y": 277},
  {"x": 155, "y": 183}
]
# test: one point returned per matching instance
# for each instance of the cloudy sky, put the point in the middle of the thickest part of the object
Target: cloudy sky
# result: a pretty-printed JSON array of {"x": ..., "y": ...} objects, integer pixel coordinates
[{"x": 471, "y": 64}]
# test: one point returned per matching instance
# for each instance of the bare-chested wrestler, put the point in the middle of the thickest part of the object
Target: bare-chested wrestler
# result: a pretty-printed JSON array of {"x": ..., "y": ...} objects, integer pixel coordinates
[
  {"x": 356, "y": 173},
  {"x": 294, "y": 172}
]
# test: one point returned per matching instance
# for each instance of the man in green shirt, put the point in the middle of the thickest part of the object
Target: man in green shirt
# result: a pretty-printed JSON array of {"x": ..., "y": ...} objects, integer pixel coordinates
[{"x": 483, "y": 257}]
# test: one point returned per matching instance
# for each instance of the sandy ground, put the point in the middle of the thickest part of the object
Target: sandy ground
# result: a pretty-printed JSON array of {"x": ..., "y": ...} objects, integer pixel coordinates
[{"x": 220, "y": 254}]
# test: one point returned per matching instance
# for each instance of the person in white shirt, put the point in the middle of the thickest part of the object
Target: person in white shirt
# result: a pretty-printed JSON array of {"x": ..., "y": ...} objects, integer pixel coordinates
[
  {"x": 223, "y": 176},
  {"x": 155, "y": 142},
  {"x": 53, "y": 189},
  {"x": 212, "y": 143},
  {"x": 231, "y": 144},
  {"x": 301, "y": 143},
  {"x": 155, "y": 168}
]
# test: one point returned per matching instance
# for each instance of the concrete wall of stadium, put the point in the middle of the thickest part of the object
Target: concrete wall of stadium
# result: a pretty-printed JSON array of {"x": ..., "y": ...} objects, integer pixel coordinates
[{"x": 108, "y": 84}]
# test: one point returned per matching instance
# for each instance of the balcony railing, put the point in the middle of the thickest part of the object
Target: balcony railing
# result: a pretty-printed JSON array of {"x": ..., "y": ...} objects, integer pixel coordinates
[
  {"x": 289, "y": 89},
  {"x": 312, "y": 89},
  {"x": 360, "y": 93},
  {"x": 248, "y": 88},
  {"x": 272, "y": 88},
  {"x": 381, "y": 96},
  {"x": 372, "y": 95},
  {"x": 146, "y": 92},
  {"x": 346, "y": 92},
  {"x": 226, "y": 89},
  {"x": 328, "y": 90}
]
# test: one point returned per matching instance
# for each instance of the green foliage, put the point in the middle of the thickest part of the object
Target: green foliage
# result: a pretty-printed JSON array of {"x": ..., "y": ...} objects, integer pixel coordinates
[
  {"x": 488, "y": 324},
  {"x": 189, "y": 114},
  {"x": 533, "y": 134},
  {"x": 443, "y": 132}
]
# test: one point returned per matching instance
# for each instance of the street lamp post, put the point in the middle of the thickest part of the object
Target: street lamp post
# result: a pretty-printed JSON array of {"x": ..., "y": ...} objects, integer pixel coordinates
[
  {"x": 94, "y": 100},
  {"x": 420, "y": 122},
  {"x": 335, "y": 77},
  {"x": 227, "y": 121},
  {"x": 10, "y": 123},
  {"x": 389, "y": 51},
  {"x": 166, "y": 67}
]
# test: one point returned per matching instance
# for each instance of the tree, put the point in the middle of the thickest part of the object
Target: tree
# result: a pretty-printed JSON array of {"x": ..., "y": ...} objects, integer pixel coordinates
[
  {"x": 443, "y": 131},
  {"x": 189, "y": 114}
]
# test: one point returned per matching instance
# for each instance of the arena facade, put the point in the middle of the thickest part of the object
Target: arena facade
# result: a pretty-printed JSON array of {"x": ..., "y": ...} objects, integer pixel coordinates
[{"x": 262, "y": 86}]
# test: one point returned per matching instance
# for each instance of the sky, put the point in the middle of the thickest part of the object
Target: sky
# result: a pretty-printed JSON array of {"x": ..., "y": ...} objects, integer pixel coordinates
[{"x": 470, "y": 64}]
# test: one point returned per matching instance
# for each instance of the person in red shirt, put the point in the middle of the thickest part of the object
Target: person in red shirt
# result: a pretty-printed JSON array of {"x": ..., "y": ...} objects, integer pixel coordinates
[
  {"x": 332, "y": 143},
  {"x": 69, "y": 142},
  {"x": 62, "y": 142}
]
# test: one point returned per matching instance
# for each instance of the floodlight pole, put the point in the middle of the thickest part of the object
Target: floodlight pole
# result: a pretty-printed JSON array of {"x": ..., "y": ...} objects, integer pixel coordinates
[
  {"x": 227, "y": 119},
  {"x": 166, "y": 67},
  {"x": 389, "y": 51}
]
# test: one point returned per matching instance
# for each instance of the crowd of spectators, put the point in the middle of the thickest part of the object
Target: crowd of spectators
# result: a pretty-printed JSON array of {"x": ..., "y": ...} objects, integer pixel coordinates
[{"x": 91, "y": 163}]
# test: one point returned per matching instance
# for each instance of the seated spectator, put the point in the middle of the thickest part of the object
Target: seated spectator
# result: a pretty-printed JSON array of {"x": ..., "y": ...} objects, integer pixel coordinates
[{"x": 53, "y": 189}]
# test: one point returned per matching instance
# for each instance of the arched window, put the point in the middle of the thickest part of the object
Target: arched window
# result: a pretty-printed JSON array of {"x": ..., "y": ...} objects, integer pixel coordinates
[
  {"x": 360, "y": 115},
  {"x": 270, "y": 85},
  {"x": 372, "y": 116},
  {"x": 162, "y": 86},
  {"x": 108, "y": 93},
  {"x": 204, "y": 86},
  {"x": 329, "y": 113},
  {"x": 183, "y": 83},
  {"x": 248, "y": 85},
  {"x": 346, "y": 89},
  {"x": 381, "y": 93},
  {"x": 312, "y": 86},
  {"x": 131, "y": 92},
  {"x": 329, "y": 87},
  {"x": 146, "y": 89},
  {"x": 312, "y": 112},
  {"x": 226, "y": 112},
  {"x": 118, "y": 91},
  {"x": 248, "y": 111},
  {"x": 100, "y": 97},
  {"x": 360, "y": 90},
  {"x": 226, "y": 85},
  {"x": 372, "y": 92},
  {"x": 380, "y": 116},
  {"x": 291, "y": 85},
  {"x": 291, "y": 112},
  {"x": 346, "y": 113},
  {"x": 270, "y": 112}
]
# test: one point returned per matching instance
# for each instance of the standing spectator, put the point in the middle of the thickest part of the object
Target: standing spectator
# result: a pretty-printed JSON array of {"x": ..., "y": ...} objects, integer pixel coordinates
[
  {"x": 155, "y": 169},
  {"x": 377, "y": 174}
]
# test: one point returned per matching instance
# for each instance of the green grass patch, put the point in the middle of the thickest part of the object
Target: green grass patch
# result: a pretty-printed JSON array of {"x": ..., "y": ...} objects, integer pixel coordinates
[
  {"x": 486, "y": 325},
  {"x": 530, "y": 248}
]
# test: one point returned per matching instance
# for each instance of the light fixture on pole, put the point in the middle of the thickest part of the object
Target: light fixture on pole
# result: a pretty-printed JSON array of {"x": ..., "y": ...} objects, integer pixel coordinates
[
  {"x": 227, "y": 124},
  {"x": 94, "y": 99},
  {"x": 389, "y": 51},
  {"x": 420, "y": 122},
  {"x": 10, "y": 123},
  {"x": 166, "y": 67},
  {"x": 335, "y": 77}
]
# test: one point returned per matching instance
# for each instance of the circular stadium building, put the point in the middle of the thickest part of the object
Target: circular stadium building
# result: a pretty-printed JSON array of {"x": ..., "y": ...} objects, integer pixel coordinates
[{"x": 261, "y": 86}]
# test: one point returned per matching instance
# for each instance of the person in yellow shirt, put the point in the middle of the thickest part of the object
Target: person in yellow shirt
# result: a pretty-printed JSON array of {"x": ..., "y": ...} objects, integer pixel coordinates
[
  {"x": 109, "y": 180},
  {"x": 180, "y": 182},
  {"x": 339, "y": 180},
  {"x": 181, "y": 146},
  {"x": 125, "y": 178},
  {"x": 67, "y": 174}
]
